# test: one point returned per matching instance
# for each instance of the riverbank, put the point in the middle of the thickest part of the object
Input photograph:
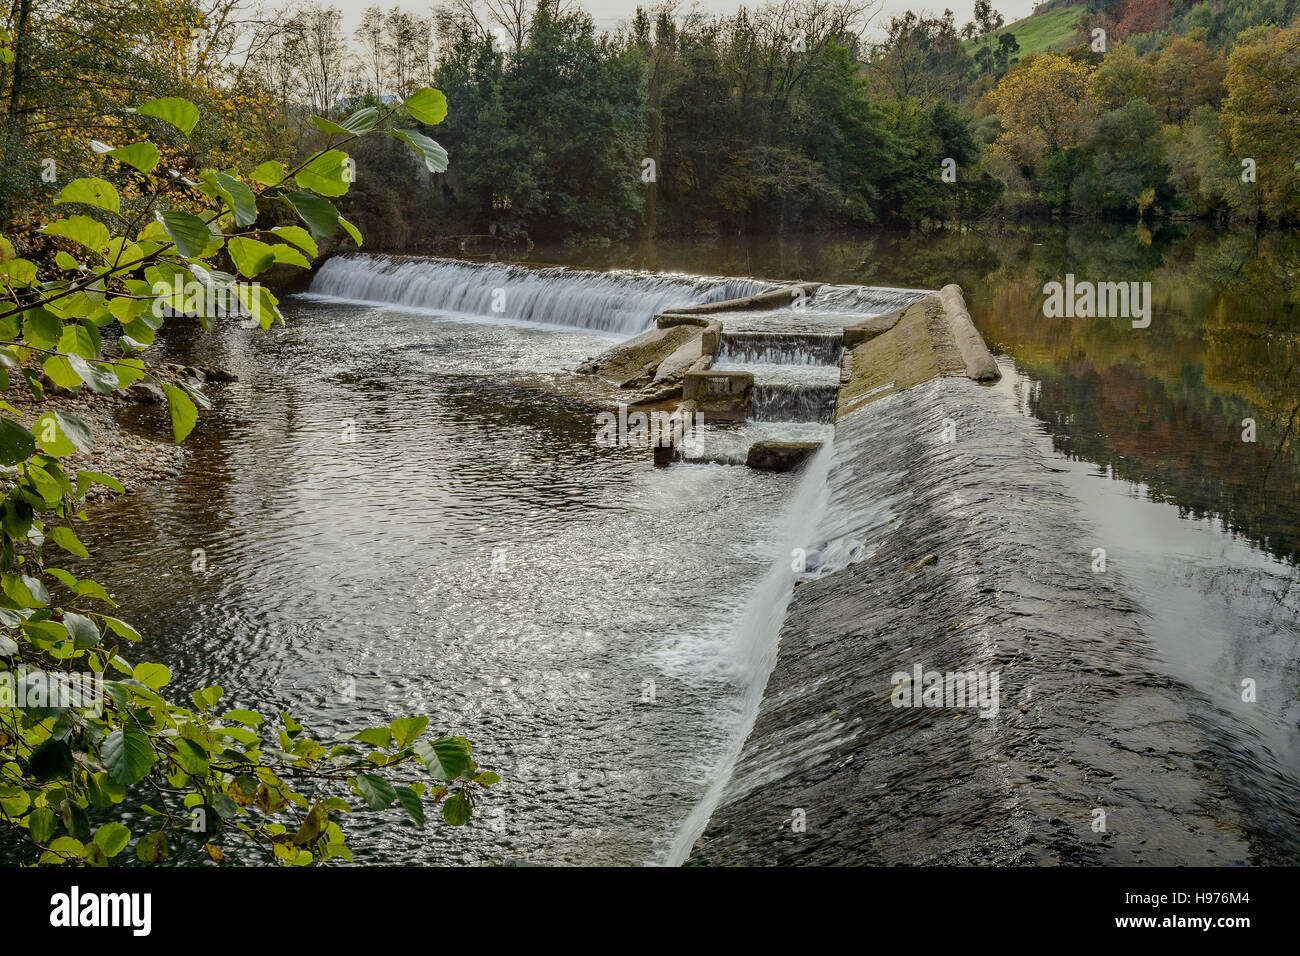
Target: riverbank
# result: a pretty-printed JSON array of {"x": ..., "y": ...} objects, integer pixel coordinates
[{"x": 131, "y": 428}]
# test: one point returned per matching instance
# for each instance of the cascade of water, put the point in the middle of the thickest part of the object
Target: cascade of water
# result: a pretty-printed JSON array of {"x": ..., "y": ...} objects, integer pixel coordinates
[
  {"x": 756, "y": 638},
  {"x": 780, "y": 348},
  {"x": 777, "y": 402},
  {"x": 623, "y": 303}
]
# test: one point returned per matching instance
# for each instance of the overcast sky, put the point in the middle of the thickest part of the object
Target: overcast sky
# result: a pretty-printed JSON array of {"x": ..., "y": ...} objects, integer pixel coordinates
[{"x": 610, "y": 13}]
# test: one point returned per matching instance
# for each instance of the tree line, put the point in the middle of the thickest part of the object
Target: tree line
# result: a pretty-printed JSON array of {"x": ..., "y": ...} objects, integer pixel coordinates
[{"x": 796, "y": 115}]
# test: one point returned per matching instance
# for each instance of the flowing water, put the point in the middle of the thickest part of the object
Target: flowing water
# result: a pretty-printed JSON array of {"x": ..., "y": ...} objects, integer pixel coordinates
[
  {"x": 393, "y": 520},
  {"x": 602, "y": 629}
]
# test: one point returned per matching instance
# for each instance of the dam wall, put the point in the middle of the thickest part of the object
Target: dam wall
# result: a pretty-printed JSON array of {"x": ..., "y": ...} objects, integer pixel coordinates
[{"x": 950, "y": 544}]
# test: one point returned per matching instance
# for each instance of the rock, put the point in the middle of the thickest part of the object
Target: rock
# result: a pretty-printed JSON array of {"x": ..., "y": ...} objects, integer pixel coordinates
[
  {"x": 215, "y": 373},
  {"x": 780, "y": 455},
  {"x": 47, "y": 383},
  {"x": 147, "y": 392},
  {"x": 918, "y": 565}
]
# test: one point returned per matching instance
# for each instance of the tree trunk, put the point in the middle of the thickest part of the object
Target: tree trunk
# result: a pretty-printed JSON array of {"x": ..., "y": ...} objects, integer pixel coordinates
[{"x": 13, "y": 123}]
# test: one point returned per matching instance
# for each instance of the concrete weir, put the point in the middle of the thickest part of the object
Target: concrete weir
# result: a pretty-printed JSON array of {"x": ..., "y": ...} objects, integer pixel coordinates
[
  {"x": 761, "y": 357},
  {"x": 950, "y": 545}
]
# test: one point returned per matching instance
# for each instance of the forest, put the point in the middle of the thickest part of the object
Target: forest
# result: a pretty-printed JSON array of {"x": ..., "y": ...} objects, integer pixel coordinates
[{"x": 796, "y": 115}]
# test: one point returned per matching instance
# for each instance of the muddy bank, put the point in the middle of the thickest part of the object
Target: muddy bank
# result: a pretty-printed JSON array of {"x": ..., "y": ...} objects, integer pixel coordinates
[{"x": 833, "y": 773}]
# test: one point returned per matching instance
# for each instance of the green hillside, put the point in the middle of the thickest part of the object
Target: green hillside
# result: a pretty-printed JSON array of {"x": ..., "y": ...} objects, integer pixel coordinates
[{"x": 1049, "y": 27}]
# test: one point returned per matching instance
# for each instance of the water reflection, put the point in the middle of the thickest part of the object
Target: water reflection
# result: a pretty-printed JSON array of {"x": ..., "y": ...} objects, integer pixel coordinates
[{"x": 1162, "y": 406}]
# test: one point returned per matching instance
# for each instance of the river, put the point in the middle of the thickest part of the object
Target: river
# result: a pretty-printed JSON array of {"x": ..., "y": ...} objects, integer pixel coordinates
[{"x": 395, "y": 518}]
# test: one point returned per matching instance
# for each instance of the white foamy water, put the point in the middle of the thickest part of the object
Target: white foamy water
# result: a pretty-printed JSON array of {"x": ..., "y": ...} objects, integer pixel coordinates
[{"x": 623, "y": 302}]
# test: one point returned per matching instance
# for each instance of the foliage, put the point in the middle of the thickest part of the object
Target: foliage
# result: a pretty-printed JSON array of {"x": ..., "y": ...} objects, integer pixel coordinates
[
  {"x": 83, "y": 730},
  {"x": 1043, "y": 105},
  {"x": 1259, "y": 114}
]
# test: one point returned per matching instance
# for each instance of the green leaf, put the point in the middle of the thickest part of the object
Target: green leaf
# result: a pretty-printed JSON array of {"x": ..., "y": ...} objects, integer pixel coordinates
[
  {"x": 427, "y": 105},
  {"x": 60, "y": 372},
  {"x": 376, "y": 791},
  {"x": 16, "y": 443},
  {"x": 41, "y": 328},
  {"x": 143, "y": 155},
  {"x": 153, "y": 676},
  {"x": 82, "y": 230},
  {"x": 447, "y": 757},
  {"x": 41, "y": 823},
  {"x": 87, "y": 588},
  {"x": 406, "y": 729},
  {"x": 127, "y": 755},
  {"x": 52, "y": 760},
  {"x": 122, "y": 629},
  {"x": 326, "y": 174},
  {"x": 184, "y": 414},
  {"x": 80, "y": 339},
  {"x": 250, "y": 256},
  {"x": 362, "y": 121},
  {"x": 112, "y": 838},
  {"x": 434, "y": 156},
  {"x": 456, "y": 810},
  {"x": 260, "y": 303},
  {"x": 152, "y": 847},
  {"x": 237, "y": 195},
  {"x": 92, "y": 192},
  {"x": 66, "y": 540},
  {"x": 352, "y": 231},
  {"x": 319, "y": 214},
  {"x": 312, "y": 827},
  {"x": 288, "y": 255},
  {"x": 100, "y": 378},
  {"x": 19, "y": 272},
  {"x": 411, "y": 803},
  {"x": 375, "y": 736},
  {"x": 190, "y": 233},
  {"x": 172, "y": 109},
  {"x": 82, "y": 630},
  {"x": 269, "y": 173},
  {"x": 108, "y": 481},
  {"x": 207, "y": 697},
  {"x": 192, "y": 758},
  {"x": 300, "y": 237}
]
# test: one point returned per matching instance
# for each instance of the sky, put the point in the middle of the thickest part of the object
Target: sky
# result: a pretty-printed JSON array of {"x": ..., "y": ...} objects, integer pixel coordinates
[{"x": 608, "y": 14}]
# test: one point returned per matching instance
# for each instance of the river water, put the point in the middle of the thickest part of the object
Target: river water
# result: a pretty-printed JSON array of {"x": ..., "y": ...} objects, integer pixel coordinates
[{"x": 396, "y": 520}]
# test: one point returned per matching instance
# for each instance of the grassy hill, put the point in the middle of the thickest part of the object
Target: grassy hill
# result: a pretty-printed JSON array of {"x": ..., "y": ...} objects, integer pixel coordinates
[{"x": 1049, "y": 27}]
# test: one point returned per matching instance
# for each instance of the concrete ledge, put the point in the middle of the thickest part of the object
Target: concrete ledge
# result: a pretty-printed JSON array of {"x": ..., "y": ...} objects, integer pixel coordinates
[
  {"x": 668, "y": 452},
  {"x": 979, "y": 361},
  {"x": 720, "y": 395},
  {"x": 773, "y": 299},
  {"x": 868, "y": 329},
  {"x": 780, "y": 455}
]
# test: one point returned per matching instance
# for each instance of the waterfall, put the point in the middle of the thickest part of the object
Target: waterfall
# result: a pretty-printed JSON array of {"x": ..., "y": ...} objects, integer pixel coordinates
[
  {"x": 780, "y": 348},
  {"x": 773, "y": 402},
  {"x": 756, "y": 637},
  {"x": 621, "y": 302}
]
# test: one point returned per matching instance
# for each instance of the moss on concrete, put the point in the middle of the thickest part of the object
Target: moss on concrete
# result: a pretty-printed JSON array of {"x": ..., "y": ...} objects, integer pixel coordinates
[
  {"x": 918, "y": 348},
  {"x": 634, "y": 363}
]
